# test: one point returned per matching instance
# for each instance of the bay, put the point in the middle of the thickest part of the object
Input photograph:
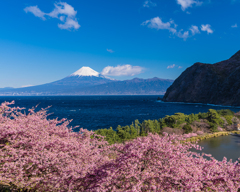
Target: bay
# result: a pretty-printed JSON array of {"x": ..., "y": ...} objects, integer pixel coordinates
[
  {"x": 220, "y": 147},
  {"x": 95, "y": 112}
]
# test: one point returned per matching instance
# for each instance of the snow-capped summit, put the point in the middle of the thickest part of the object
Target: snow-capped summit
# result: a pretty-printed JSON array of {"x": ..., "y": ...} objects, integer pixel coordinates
[{"x": 86, "y": 71}]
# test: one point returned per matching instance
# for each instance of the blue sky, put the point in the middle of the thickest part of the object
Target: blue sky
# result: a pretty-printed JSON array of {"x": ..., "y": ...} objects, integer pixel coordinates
[{"x": 43, "y": 40}]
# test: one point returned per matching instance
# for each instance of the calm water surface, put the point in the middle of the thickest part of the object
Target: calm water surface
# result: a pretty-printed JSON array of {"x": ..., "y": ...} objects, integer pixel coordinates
[
  {"x": 223, "y": 146},
  {"x": 95, "y": 112}
]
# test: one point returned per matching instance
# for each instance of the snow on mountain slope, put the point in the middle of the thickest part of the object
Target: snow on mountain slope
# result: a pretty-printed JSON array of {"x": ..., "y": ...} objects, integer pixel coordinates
[
  {"x": 89, "y": 72},
  {"x": 86, "y": 81},
  {"x": 86, "y": 71}
]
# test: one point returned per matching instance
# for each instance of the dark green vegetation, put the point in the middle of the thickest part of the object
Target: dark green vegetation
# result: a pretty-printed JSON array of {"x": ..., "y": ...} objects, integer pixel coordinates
[{"x": 179, "y": 123}]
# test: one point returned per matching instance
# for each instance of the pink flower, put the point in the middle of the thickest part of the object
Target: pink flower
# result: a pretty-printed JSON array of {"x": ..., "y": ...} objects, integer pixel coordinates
[{"x": 45, "y": 155}]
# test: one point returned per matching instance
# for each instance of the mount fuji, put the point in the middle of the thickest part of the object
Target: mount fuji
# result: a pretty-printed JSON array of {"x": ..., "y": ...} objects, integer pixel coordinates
[
  {"x": 86, "y": 71},
  {"x": 83, "y": 77},
  {"x": 87, "y": 81}
]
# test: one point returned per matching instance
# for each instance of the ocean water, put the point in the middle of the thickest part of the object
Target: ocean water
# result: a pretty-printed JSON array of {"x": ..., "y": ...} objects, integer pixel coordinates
[{"x": 95, "y": 112}]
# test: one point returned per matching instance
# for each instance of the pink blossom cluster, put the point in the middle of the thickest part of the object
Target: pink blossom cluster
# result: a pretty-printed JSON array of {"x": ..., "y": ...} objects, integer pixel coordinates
[
  {"x": 157, "y": 163},
  {"x": 45, "y": 155},
  {"x": 190, "y": 135},
  {"x": 200, "y": 133},
  {"x": 220, "y": 129}
]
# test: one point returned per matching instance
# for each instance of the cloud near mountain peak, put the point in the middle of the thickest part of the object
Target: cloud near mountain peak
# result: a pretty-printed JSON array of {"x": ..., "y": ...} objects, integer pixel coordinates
[{"x": 122, "y": 70}]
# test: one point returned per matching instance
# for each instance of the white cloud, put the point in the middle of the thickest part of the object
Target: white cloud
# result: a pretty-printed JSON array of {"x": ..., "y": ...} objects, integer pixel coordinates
[
  {"x": 122, "y": 70},
  {"x": 171, "y": 66},
  {"x": 184, "y": 35},
  {"x": 110, "y": 50},
  {"x": 234, "y": 26},
  {"x": 62, "y": 11},
  {"x": 194, "y": 29},
  {"x": 188, "y": 3},
  {"x": 35, "y": 11},
  {"x": 207, "y": 28},
  {"x": 62, "y": 8},
  {"x": 69, "y": 23},
  {"x": 157, "y": 23},
  {"x": 62, "y": 18},
  {"x": 149, "y": 3}
]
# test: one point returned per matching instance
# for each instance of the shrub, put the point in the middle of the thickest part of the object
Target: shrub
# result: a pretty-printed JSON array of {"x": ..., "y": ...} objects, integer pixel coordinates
[
  {"x": 123, "y": 133},
  {"x": 225, "y": 112},
  {"x": 191, "y": 118},
  {"x": 110, "y": 135},
  {"x": 213, "y": 127},
  {"x": 126, "y": 132},
  {"x": 214, "y": 117},
  {"x": 187, "y": 128},
  {"x": 151, "y": 126},
  {"x": 170, "y": 121},
  {"x": 202, "y": 115},
  {"x": 175, "y": 120},
  {"x": 229, "y": 119}
]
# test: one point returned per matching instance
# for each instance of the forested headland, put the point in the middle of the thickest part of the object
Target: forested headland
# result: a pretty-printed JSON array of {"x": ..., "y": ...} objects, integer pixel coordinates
[{"x": 179, "y": 123}]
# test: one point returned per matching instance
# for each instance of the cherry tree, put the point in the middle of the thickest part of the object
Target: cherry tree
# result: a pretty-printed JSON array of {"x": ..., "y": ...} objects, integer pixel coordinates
[{"x": 41, "y": 154}]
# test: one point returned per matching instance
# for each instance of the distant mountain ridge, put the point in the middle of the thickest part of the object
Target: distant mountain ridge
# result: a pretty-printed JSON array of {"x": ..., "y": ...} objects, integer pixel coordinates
[
  {"x": 217, "y": 83},
  {"x": 136, "y": 86},
  {"x": 6, "y": 88},
  {"x": 86, "y": 81}
]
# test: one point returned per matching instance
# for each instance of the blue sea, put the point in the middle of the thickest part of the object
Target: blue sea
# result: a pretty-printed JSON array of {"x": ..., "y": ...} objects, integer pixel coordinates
[{"x": 95, "y": 112}]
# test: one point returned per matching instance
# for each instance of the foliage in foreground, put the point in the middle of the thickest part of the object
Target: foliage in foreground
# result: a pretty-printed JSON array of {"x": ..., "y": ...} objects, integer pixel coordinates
[
  {"x": 155, "y": 163},
  {"x": 44, "y": 155}
]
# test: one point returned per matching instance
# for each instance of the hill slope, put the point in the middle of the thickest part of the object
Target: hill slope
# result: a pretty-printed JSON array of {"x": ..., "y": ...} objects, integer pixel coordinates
[{"x": 208, "y": 83}]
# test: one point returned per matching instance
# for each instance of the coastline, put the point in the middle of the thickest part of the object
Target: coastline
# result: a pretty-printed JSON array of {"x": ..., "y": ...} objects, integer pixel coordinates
[
  {"x": 211, "y": 135},
  {"x": 208, "y": 104}
]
